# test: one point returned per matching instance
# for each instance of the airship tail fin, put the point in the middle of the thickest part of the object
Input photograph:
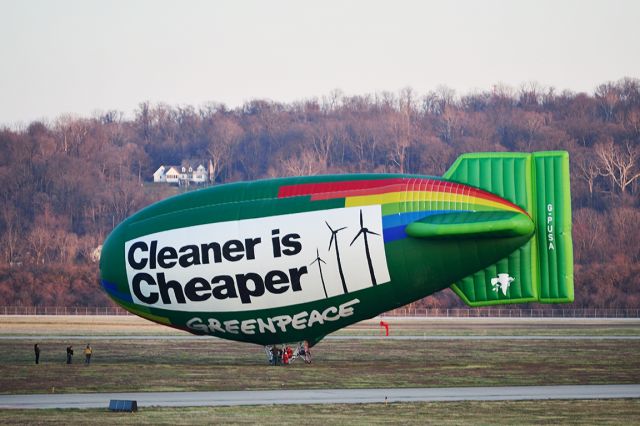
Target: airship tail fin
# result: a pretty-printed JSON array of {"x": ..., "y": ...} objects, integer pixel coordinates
[{"x": 542, "y": 269}]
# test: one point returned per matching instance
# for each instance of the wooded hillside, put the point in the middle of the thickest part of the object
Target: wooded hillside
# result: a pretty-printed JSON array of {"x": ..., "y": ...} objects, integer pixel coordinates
[{"x": 66, "y": 184}]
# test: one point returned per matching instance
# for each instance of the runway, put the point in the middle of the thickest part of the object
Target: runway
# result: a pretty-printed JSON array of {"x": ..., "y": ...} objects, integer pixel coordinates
[{"x": 321, "y": 396}]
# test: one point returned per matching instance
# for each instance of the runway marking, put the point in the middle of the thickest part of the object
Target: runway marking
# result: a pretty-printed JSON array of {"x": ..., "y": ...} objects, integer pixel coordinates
[{"x": 321, "y": 396}]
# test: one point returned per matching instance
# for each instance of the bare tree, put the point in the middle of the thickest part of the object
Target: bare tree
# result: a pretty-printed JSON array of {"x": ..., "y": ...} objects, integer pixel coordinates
[
  {"x": 402, "y": 127},
  {"x": 11, "y": 237},
  {"x": 71, "y": 134},
  {"x": 608, "y": 98},
  {"x": 64, "y": 246},
  {"x": 39, "y": 241},
  {"x": 363, "y": 143},
  {"x": 400, "y": 140},
  {"x": 632, "y": 122},
  {"x": 223, "y": 134},
  {"x": 619, "y": 164},
  {"x": 589, "y": 226},
  {"x": 530, "y": 94},
  {"x": 588, "y": 170},
  {"x": 448, "y": 124},
  {"x": 323, "y": 137},
  {"x": 306, "y": 164},
  {"x": 124, "y": 198}
]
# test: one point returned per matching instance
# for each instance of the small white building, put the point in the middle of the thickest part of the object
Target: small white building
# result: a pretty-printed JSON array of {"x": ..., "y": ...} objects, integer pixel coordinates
[
  {"x": 197, "y": 175},
  {"x": 181, "y": 175},
  {"x": 167, "y": 174}
]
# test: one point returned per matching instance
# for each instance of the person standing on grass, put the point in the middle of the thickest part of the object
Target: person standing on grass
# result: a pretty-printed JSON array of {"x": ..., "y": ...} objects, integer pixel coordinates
[
  {"x": 274, "y": 355},
  {"x": 36, "y": 349},
  {"x": 307, "y": 352},
  {"x": 69, "y": 354},
  {"x": 87, "y": 354}
]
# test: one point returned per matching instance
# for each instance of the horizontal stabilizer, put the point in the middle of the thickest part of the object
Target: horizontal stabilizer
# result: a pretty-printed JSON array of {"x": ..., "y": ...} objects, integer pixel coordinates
[{"x": 472, "y": 225}]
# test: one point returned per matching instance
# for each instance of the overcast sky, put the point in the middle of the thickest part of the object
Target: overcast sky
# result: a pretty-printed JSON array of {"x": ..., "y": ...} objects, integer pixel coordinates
[{"x": 83, "y": 56}]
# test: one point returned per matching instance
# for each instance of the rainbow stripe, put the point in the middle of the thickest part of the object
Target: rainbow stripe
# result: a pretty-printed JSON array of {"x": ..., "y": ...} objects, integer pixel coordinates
[{"x": 403, "y": 200}]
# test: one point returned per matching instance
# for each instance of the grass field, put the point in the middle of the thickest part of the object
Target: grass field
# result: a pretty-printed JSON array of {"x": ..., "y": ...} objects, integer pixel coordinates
[
  {"x": 159, "y": 364},
  {"x": 587, "y": 412}
]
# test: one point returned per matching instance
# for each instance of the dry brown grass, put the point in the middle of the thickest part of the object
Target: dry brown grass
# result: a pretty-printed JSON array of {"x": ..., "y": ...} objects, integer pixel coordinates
[
  {"x": 134, "y": 325},
  {"x": 81, "y": 325},
  {"x": 579, "y": 412}
]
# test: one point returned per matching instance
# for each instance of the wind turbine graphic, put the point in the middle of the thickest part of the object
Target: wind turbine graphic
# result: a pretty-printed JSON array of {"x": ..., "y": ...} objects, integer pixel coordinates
[
  {"x": 319, "y": 261},
  {"x": 364, "y": 231},
  {"x": 334, "y": 237}
]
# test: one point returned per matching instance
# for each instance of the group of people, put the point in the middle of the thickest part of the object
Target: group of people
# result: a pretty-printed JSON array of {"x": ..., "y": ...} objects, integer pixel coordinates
[
  {"x": 88, "y": 351},
  {"x": 285, "y": 355},
  {"x": 280, "y": 356}
]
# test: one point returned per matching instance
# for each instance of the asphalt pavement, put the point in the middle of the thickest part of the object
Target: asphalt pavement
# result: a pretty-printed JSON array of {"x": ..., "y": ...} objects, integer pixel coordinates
[{"x": 321, "y": 396}]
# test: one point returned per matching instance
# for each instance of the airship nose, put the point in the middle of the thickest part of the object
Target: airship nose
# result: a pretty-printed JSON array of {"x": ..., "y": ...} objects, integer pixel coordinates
[{"x": 112, "y": 267}]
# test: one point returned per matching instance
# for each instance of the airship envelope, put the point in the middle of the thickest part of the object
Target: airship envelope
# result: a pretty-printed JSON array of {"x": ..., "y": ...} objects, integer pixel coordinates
[{"x": 294, "y": 259}]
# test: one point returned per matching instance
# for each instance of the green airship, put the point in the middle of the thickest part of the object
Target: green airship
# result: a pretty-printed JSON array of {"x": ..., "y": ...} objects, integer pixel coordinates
[{"x": 294, "y": 259}]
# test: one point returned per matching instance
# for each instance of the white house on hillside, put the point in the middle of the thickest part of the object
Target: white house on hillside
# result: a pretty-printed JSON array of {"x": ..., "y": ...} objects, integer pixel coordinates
[
  {"x": 181, "y": 175},
  {"x": 168, "y": 174}
]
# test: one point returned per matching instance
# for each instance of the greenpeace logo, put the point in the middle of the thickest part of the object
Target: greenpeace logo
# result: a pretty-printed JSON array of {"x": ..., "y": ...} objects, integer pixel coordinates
[{"x": 273, "y": 325}]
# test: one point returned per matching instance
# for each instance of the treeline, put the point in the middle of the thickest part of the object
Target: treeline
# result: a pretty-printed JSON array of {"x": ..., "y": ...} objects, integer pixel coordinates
[{"x": 66, "y": 184}]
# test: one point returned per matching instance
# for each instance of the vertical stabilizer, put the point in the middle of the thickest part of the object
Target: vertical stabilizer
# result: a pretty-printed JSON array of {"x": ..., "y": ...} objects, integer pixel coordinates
[{"x": 542, "y": 269}]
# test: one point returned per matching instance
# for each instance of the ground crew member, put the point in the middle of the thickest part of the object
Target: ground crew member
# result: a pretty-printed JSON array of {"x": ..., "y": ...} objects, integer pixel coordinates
[{"x": 87, "y": 354}]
